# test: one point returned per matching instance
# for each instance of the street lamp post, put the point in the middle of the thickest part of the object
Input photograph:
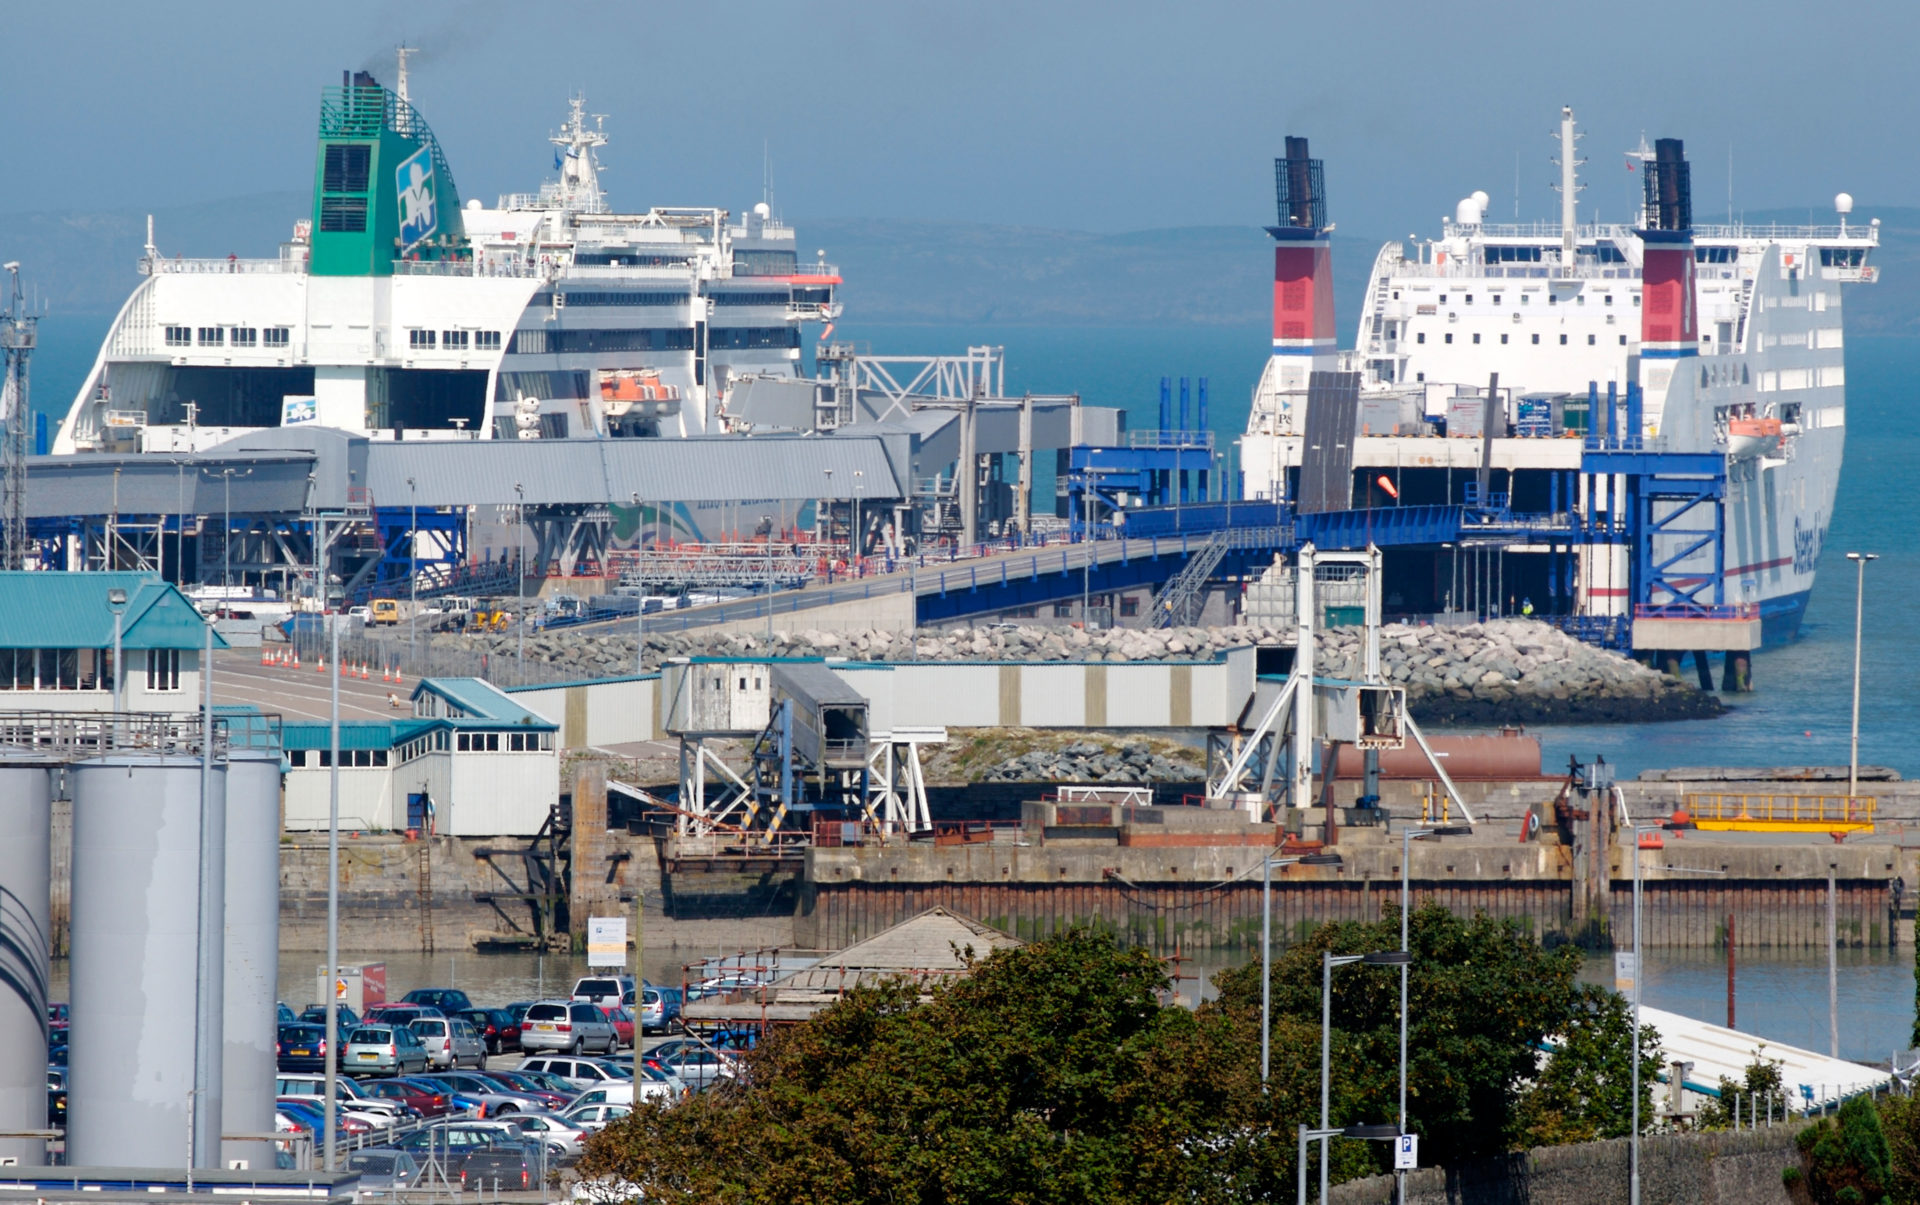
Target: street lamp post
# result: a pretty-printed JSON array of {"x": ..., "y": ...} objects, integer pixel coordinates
[
  {"x": 413, "y": 575},
  {"x": 1633, "y": 1045},
  {"x": 520, "y": 580},
  {"x": 1378, "y": 1133},
  {"x": 1328, "y": 961},
  {"x": 1266, "y": 946},
  {"x": 639, "y": 594},
  {"x": 226, "y": 533},
  {"x": 1859, "y": 560},
  {"x": 117, "y": 599},
  {"x": 857, "y": 545},
  {"x": 1407, "y": 837}
]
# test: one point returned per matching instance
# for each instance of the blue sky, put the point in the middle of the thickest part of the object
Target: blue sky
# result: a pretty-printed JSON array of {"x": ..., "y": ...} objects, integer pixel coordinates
[{"x": 1113, "y": 116}]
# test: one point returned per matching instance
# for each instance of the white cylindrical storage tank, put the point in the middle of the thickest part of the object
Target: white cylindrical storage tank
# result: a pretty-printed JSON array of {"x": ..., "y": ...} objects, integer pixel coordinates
[
  {"x": 135, "y": 929},
  {"x": 253, "y": 953},
  {"x": 26, "y": 945}
]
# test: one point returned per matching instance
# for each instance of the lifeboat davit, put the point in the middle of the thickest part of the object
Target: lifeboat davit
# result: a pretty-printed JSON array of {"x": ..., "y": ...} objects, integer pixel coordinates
[{"x": 1748, "y": 438}]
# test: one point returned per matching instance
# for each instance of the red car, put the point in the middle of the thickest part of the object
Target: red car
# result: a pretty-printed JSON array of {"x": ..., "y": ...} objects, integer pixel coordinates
[
  {"x": 496, "y": 1028},
  {"x": 621, "y": 1018},
  {"x": 428, "y": 1099}
]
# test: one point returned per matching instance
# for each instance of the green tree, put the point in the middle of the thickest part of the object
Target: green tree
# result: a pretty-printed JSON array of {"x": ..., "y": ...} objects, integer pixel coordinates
[
  {"x": 1483, "y": 996},
  {"x": 1847, "y": 1159},
  {"x": 1052, "y": 1073},
  {"x": 1759, "y": 1087},
  {"x": 1585, "y": 1091}
]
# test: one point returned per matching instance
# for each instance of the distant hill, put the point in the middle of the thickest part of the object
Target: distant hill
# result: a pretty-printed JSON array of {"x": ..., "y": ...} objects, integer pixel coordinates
[{"x": 937, "y": 273}]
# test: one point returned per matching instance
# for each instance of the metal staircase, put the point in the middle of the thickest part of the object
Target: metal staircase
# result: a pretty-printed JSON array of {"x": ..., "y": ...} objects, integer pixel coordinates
[{"x": 1178, "y": 603}]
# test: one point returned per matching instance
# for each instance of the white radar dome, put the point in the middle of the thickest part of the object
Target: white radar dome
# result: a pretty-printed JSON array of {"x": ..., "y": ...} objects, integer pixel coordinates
[
  {"x": 763, "y": 211},
  {"x": 1481, "y": 199},
  {"x": 1843, "y": 203},
  {"x": 1467, "y": 212},
  {"x": 473, "y": 203}
]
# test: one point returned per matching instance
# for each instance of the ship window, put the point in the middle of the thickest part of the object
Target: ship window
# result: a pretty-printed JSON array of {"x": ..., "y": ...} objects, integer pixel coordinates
[
  {"x": 1580, "y": 299},
  {"x": 1449, "y": 337},
  {"x": 1623, "y": 340},
  {"x": 1496, "y": 299},
  {"x": 1609, "y": 299},
  {"x": 1591, "y": 340},
  {"x": 1476, "y": 337},
  {"x": 1524, "y": 299},
  {"x": 419, "y": 340},
  {"x": 1553, "y": 299},
  {"x": 343, "y": 215},
  {"x": 212, "y": 336},
  {"x": 1536, "y": 338},
  {"x": 179, "y": 336},
  {"x": 1503, "y": 338},
  {"x": 1421, "y": 337},
  {"x": 346, "y": 169},
  {"x": 739, "y": 338},
  {"x": 486, "y": 340},
  {"x": 1443, "y": 299},
  {"x": 455, "y": 339},
  {"x": 275, "y": 336},
  {"x": 1636, "y": 300},
  {"x": 245, "y": 336},
  {"x": 761, "y": 298},
  {"x": 1563, "y": 340}
]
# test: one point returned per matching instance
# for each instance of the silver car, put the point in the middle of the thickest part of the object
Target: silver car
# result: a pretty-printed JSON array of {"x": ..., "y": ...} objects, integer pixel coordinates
[
  {"x": 451, "y": 1041},
  {"x": 393, "y": 1049},
  {"x": 567, "y": 1025}
]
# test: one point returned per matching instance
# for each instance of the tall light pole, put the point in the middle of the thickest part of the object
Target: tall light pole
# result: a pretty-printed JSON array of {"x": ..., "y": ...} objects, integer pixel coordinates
[
  {"x": 1266, "y": 945},
  {"x": 1407, "y": 837},
  {"x": 117, "y": 600},
  {"x": 330, "y": 1127},
  {"x": 855, "y": 538},
  {"x": 1859, "y": 560},
  {"x": 520, "y": 578},
  {"x": 413, "y": 574},
  {"x": 1328, "y": 961},
  {"x": 1633, "y": 1045},
  {"x": 639, "y": 596},
  {"x": 226, "y": 534}
]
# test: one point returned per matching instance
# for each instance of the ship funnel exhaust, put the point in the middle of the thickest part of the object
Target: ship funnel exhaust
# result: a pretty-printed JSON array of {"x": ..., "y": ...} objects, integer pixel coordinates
[
  {"x": 1669, "y": 190},
  {"x": 1302, "y": 271}
]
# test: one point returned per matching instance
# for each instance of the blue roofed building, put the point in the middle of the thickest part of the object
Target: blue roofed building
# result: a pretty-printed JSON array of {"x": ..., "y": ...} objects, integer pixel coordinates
[
  {"x": 470, "y": 762},
  {"x": 57, "y": 639}
]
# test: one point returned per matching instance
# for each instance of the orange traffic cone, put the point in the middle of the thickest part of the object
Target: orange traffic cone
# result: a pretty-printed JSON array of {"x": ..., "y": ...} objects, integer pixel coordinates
[
  {"x": 386, "y": 672},
  {"x": 320, "y": 666},
  {"x": 296, "y": 658},
  {"x": 365, "y": 673}
]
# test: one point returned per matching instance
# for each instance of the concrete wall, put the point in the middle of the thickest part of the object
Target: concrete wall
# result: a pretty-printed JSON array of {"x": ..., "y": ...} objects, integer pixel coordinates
[{"x": 1740, "y": 1168}]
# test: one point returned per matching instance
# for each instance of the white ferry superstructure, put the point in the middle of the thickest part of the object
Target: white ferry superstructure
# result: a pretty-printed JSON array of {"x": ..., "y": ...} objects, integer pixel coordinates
[
  {"x": 394, "y": 311},
  {"x": 1744, "y": 358}
]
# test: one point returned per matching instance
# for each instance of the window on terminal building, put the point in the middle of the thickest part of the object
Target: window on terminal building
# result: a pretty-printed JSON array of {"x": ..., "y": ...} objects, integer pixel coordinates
[
  {"x": 297, "y": 758},
  {"x": 163, "y": 669}
]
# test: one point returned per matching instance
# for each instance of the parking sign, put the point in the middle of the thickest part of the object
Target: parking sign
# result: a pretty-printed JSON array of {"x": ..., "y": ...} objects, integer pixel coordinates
[{"x": 1406, "y": 1153}]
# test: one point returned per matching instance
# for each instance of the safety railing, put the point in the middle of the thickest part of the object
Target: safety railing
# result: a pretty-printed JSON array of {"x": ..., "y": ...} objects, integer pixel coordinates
[
  {"x": 1696, "y": 611},
  {"x": 71, "y": 734},
  {"x": 1754, "y": 808}
]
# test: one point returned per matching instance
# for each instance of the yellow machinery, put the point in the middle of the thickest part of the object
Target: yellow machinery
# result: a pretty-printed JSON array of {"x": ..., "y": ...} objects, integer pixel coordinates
[{"x": 1756, "y": 813}]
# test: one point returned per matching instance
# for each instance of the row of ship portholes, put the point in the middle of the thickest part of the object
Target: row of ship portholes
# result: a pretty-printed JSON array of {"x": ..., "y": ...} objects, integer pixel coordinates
[{"x": 1723, "y": 374}]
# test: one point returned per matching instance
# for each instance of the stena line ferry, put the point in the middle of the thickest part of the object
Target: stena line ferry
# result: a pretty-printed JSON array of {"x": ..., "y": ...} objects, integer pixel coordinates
[
  {"x": 398, "y": 310},
  {"x": 1713, "y": 354}
]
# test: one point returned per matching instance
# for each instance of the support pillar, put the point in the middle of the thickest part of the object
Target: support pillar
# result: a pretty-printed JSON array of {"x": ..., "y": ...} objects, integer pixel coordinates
[
  {"x": 1704, "y": 668},
  {"x": 1736, "y": 676}
]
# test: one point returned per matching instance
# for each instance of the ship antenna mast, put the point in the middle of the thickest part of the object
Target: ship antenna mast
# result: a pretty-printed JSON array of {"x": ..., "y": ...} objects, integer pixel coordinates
[
  {"x": 1569, "y": 187},
  {"x": 18, "y": 333},
  {"x": 400, "y": 80}
]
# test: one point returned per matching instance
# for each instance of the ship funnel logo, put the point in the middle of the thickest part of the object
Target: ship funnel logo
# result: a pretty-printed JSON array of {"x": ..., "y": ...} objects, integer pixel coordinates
[{"x": 419, "y": 209}]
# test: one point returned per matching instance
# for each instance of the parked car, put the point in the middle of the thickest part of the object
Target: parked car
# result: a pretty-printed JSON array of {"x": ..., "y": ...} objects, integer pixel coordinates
[
  {"x": 394, "y": 1049},
  {"x": 622, "y": 1022},
  {"x": 565, "y": 1025},
  {"x": 56, "y": 1105},
  {"x": 575, "y": 1071},
  {"x": 452, "y": 1142},
  {"x": 659, "y": 1010},
  {"x": 448, "y": 1000},
  {"x": 287, "y": 1016},
  {"x": 546, "y": 1092},
  {"x": 384, "y": 1168},
  {"x": 310, "y": 1112},
  {"x": 498, "y": 1029},
  {"x": 594, "y": 1117},
  {"x": 626, "y": 1091},
  {"x": 351, "y": 1092},
  {"x": 501, "y": 1168},
  {"x": 400, "y": 1014},
  {"x": 302, "y": 1047},
  {"x": 58, "y": 1015},
  {"x": 693, "y": 1061},
  {"x": 450, "y": 1042},
  {"x": 518, "y": 1010},
  {"x": 423, "y": 1096},
  {"x": 493, "y": 1097},
  {"x": 562, "y": 1140},
  {"x": 603, "y": 990},
  {"x": 344, "y": 1017},
  {"x": 351, "y": 1118},
  {"x": 383, "y": 611}
]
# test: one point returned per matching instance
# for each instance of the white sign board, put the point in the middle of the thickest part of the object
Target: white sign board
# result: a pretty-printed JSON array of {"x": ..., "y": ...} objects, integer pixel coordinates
[
  {"x": 606, "y": 941},
  {"x": 1406, "y": 1153},
  {"x": 1626, "y": 968}
]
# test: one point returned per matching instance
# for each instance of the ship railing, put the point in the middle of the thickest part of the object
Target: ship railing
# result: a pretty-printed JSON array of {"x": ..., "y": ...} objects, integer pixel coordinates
[
  {"x": 1696, "y": 611},
  {"x": 1865, "y": 233},
  {"x": 466, "y": 267},
  {"x": 1467, "y": 269},
  {"x": 230, "y": 265}
]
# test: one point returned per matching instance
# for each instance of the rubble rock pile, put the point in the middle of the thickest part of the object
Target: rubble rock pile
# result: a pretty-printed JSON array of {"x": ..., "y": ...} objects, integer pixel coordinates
[{"x": 1501, "y": 671}]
